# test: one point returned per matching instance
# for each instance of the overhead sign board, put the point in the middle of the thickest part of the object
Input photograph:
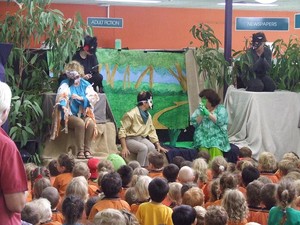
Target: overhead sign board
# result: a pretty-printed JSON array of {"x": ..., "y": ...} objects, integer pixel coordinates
[
  {"x": 262, "y": 23},
  {"x": 105, "y": 22},
  {"x": 297, "y": 21}
]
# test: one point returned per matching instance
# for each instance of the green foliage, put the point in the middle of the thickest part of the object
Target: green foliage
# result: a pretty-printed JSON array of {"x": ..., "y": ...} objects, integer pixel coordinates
[
  {"x": 35, "y": 158},
  {"x": 209, "y": 58},
  {"x": 36, "y": 24},
  {"x": 286, "y": 66}
]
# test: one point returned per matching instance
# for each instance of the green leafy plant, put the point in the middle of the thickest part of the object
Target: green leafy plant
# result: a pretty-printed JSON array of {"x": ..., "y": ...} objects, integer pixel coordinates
[
  {"x": 27, "y": 70},
  {"x": 209, "y": 57},
  {"x": 286, "y": 64}
]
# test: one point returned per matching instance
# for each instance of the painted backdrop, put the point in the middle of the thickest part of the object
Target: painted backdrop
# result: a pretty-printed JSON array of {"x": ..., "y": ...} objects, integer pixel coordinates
[{"x": 127, "y": 72}]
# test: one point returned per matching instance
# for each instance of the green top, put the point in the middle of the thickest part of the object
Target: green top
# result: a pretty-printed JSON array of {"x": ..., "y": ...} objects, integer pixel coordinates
[
  {"x": 209, "y": 134},
  {"x": 276, "y": 214}
]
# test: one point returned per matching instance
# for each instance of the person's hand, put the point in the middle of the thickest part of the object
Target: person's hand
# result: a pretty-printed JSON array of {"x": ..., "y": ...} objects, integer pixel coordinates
[
  {"x": 162, "y": 149},
  {"x": 125, "y": 152},
  {"x": 74, "y": 96},
  {"x": 203, "y": 110},
  {"x": 87, "y": 76}
]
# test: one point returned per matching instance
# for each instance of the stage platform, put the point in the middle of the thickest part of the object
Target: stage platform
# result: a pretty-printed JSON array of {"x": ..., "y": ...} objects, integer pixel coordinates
[{"x": 264, "y": 121}]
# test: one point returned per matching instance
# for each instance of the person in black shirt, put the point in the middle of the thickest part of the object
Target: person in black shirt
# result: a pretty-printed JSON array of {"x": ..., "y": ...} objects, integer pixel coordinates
[
  {"x": 87, "y": 58},
  {"x": 259, "y": 61}
]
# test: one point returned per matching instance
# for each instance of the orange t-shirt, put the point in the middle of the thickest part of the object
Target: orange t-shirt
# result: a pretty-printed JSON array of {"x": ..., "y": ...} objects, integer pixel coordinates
[
  {"x": 57, "y": 216},
  {"x": 114, "y": 203},
  {"x": 271, "y": 176},
  {"x": 61, "y": 182}
]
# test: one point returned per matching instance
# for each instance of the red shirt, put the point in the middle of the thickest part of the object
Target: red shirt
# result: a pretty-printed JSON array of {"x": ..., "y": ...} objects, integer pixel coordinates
[{"x": 12, "y": 177}]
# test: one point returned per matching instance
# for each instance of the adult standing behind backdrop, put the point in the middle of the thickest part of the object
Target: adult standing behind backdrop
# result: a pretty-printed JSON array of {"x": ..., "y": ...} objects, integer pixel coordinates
[
  {"x": 137, "y": 133},
  {"x": 259, "y": 59},
  {"x": 210, "y": 120},
  {"x": 13, "y": 182},
  {"x": 86, "y": 56},
  {"x": 74, "y": 105}
]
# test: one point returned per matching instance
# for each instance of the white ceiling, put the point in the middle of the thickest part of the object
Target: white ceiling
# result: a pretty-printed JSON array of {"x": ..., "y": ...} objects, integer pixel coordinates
[{"x": 283, "y": 5}]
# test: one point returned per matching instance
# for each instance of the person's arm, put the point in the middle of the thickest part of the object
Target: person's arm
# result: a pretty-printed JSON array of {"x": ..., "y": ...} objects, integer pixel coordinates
[
  {"x": 125, "y": 152},
  {"x": 160, "y": 148},
  {"x": 15, "y": 202}
]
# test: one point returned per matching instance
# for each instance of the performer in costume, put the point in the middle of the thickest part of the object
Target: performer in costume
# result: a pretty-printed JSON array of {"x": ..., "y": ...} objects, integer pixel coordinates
[
  {"x": 75, "y": 101},
  {"x": 210, "y": 120},
  {"x": 255, "y": 77},
  {"x": 87, "y": 58},
  {"x": 137, "y": 127}
]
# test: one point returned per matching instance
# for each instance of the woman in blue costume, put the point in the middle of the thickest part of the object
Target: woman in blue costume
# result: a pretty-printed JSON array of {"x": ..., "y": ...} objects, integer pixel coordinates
[
  {"x": 210, "y": 120},
  {"x": 74, "y": 104}
]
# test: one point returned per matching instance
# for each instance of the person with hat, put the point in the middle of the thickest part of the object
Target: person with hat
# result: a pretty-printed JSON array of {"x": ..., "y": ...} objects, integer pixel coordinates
[
  {"x": 137, "y": 133},
  {"x": 86, "y": 56},
  {"x": 255, "y": 72}
]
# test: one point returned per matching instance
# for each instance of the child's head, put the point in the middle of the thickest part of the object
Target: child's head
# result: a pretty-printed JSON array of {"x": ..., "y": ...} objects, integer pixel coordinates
[
  {"x": 170, "y": 172},
  {"x": 72, "y": 209},
  {"x": 111, "y": 184},
  {"x": 245, "y": 152},
  {"x": 156, "y": 160},
  {"x": 216, "y": 215},
  {"x": 89, "y": 204},
  {"x": 130, "y": 196},
  {"x": 39, "y": 186},
  {"x": 105, "y": 165},
  {"x": 186, "y": 174},
  {"x": 204, "y": 155},
  {"x": 116, "y": 160},
  {"x": 44, "y": 209},
  {"x": 200, "y": 166},
  {"x": 65, "y": 163},
  {"x": 215, "y": 190},
  {"x": 52, "y": 195},
  {"x": 249, "y": 174},
  {"x": 286, "y": 192},
  {"x": 158, "y": 189},
  {"x": 177, "y": 160},
  {"x": 134, "y": 164},
  {"x": 174, "y": 193},
  {"x": 227, "y": 181},
  {"x": 267, "y": 162},
  {"x": 253, "y": 193},
  {"x": 31, "y": 213},
  {"x": 109, "y": 217},
  {"x": 235, "y": 205},
  {"x": 193, "y": 197},
  {"x": 29, "y": 167},
  {"x": 126, "y": 174},
  {"x": 78, "y": 187},
  {"x": 141, "y": 188},
  {"x": 52, "y": 166},
  {"x": 184, "y": 214},
  {"x": 218, "y": 165},
  {"x": 286, "y": 165},
  {"x": 38, "y": 173},
  {"x": 81, "y": 169},
  {"x": 268, "y": 195},
  {"x": 186, "y": 163},
  {"x": 200, "y": 211},
  {"x": 187, "y": 186},
  {"x": 93, "y": 165},
  {"x": 291, "y": 156}
]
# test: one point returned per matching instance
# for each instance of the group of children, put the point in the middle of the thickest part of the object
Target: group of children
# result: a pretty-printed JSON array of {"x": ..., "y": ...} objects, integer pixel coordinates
[{"x": 206, "y": 191}]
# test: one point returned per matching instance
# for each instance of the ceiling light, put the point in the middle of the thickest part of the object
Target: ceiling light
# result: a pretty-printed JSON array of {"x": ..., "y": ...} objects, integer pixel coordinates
[
  {"x": 131, "y": 1},
  {"x": 249, "y": 4},
  {"x": 266, "y": 1}
]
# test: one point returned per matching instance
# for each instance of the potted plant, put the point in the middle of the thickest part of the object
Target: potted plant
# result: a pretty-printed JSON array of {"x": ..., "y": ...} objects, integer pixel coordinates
[
  {"x": 209, "y": 57},
  {"x": 27, "y": 70}
]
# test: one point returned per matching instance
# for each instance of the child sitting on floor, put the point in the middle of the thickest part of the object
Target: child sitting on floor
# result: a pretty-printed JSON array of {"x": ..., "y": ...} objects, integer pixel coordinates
[
  {"x": 156, "y": 164},
  {"x": 154, "y": 212}
]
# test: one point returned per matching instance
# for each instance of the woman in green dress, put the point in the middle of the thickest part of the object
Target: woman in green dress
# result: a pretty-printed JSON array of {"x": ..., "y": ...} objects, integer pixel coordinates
[{"x": 210, "y": 120}]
